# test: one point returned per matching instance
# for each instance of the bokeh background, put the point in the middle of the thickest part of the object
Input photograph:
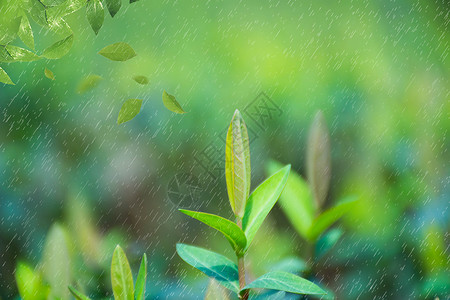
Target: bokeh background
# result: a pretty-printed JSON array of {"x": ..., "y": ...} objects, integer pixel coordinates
[{"x": 379, "y": 71}]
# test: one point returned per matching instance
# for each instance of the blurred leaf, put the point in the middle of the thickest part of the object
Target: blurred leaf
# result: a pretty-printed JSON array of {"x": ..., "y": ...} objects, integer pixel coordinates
[
  {"x": 296, "y": 200},
  {"x": 59, "y": 49},
  {"x": 437, "y": 284},
  {"x": 141, "y": 278},
  {"x": 21, "y": 54},
  {"x": 261, "y": 202},
  {"x": 212, "y": 264},
  {"x": 215, "y": 291},
  {"x": 269, "y": 295},
  {"x": 4, "y": 78},
  {"x": 318, "y": 159},
  {"x": 283, "y": 281},
  {"x": 78, "y": 295},
  {"x": 26, "y": 33},
  {"x": 108, "y": 245},
  {"x": 433, "y": 250},
  {"x": 237, "y": 164},
  {"x": 141, "y": 79},
  {"x": 327, "y": 218},
  {"x": 56, "y": 262},
  {"x": 29, "y": 283},
  {"x": 49, "y": 74},
  {"x": 326, "y": 242},
  {"x": 230, "y": 230},
  {"x": 113, "y": 6},
  {"x": 121, "y": 277},
  {"x": 290, "y": 265},
  {"x": 129, "y": 110},
  {"x": 118, "y": 52},
  {"x": 88, "y": 83},
  {"x": 171, "y": 103},
  {"x": 95, "y": 14},
  {"x": 10, "y": 21}
]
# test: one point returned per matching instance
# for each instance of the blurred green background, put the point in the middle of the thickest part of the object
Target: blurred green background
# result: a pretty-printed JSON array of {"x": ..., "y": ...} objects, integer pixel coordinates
[{"x": 379, "y": 70}]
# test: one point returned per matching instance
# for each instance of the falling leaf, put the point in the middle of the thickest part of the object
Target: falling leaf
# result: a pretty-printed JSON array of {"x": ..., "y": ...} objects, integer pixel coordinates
[
  {"x": 88, "y": 83},
  {"x": 95, "y": 14},
  {"x": 120, "y": 51},
  {"x": 49, "y": 74},
  {"x": 172, "y": 104},
  {"x": 21, "y": 54},
  {"x": 5, "y": 78},
  {"x": 141, "y": 79},
  {"x": 129, "y": 110},
  {"x": 59, "y": 49}
]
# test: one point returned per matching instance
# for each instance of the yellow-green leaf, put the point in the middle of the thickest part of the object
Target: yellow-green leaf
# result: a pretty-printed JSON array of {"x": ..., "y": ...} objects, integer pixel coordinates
[
  {"x": 171, "y": 103},
  {"x": 78, "y": 295},
  {"x": 26, "y": 33},
  {"x": 49, "y": 74},
  {"x": 121, "y": 277},
  {"x": 59, "y": 49},
  {"x": 30, "y": 283},
  {"x": 215, "y": 291},
  {"x": 88, "y": 83},
  {"x": 141, "y": 79},
  {"x": 120, "y": 51},
  {"x": 5, "y": 78},
  {"x": 129, "y": 110},
  {"x": 21, "y": 54}
]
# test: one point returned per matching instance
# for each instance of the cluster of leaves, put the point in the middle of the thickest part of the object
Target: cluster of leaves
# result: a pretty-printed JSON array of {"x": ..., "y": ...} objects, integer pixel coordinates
[
  {"x": 15, "y": 18},
  {"x": 250, "y": 211}
]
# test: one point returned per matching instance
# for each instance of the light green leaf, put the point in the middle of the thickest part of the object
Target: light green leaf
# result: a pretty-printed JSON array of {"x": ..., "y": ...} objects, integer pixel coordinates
[
  {"x": 212, "y": 264},
  {"x": 129, "y": 110},
  {"x": 49, "y": 74},
  {"x": 261, "y": 202},
  {"x": 237, "y": 164},
  {"x": 68, "y": 7},
  {"x": 10, "y": 21},
  {"x": 120, "y": 51},
  {"x": 4, "y": 78},
  {"x": 29, "y": 283},
  {"x": 141, "y": 278},
  {"x": 95, "y": 14},
  {"x": 56, "y": 262},
  {"x": 26, "y": 33},
  {"x": 171, "y": 103},
  {"x": 88, "y": 83},
  {"x": 327, "y": 218},
  {"x": 121, "y": 277},
  {"x": 283, "y": 281},
  {"x": 113, "y": 6},
  {"x": 296, "y": 200},
  {"x": 230, "y": 230},
  {"x": 36, "y": 10},
  {"x": 59, "y": 49},
  {"x": 215, "y": 291},
  {"x": 21, "y": 54},
  {"x": 141, "y": 79},
  {"x": 78, "y": 295},
  {"x": 326, "y": 242},
  {"x": 318, "y": 158},
  {"x": 4, "y": 55}
]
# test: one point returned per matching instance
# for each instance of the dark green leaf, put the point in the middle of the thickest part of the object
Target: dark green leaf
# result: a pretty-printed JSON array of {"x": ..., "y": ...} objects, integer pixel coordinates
[
  {"x": 118, "y": 52},
  {"x": 261, "y": 202},
  {"x": 95, "y": 14},
  {"x": 287, "y": 282},
  {"x": 88, "y": 83},
  {"x": 171, "y": 103},
  {"x": 296, "y": 200},
  {"x": 212, "y": 264},
  {"x": 121, "y": 277},
  {"x": 326, "y": 242},
  {"x": 237, "y": 164},
  {"x": 113, "y": 6},
  {"x": 141, "y": 278},
  {"x": 26, "y": 33},
  {"x": 49, "y": 74},
  {"x": 59, "y": 49},
  {"x": 318, "y": 159},
  {"x": 129, "y": 110},
  {"x": 30, "y": 283},
  {"x": 4, "y": 78},
  {"x": 78, "y": 295},
  {"x": 141, "y": 79},
  {"x": 21, "y": 54},
  {"x": 230, "y": 230}
]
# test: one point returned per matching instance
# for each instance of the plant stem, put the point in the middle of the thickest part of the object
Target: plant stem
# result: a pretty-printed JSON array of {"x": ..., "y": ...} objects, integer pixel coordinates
[{"x": 241, "y": 268}]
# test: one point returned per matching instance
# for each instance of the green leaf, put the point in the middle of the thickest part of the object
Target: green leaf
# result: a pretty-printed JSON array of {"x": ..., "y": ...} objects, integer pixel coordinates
[
  {"x": 120, "y": 51},
  {"x": 269, "y": 295},
  {"x": 318, "y": 158},
  {"x": 49, "y": 74},
  {"x": 237, "y": 164},
  {"x": 21, "y": 54},
  {"x": 113, "y": 6},
  {"x": 59, "y": 11},
  {"x": 261, "y": 202},
  {"x": 326, "y": 242},
  {"x": 121, "y": 278},
  {"x": 230, "y": 230},
  {"x": 95, "y": 14},
  {"x": 129, "y": 110},
  {"x": 141, "y": 278},
  {"x": 141, "y": 79},
  {"x": 215, "y": 291},
  {"x": 212, "y": 264},
  {"x": 59, "y": 49},
  {"x": 26, "y": 33},
  {"x": 290, "y": 265},
  {"x": 88, "y": 83},
  {"x": 4, "y": 55},
  {"x": 37, "y": 11},
  {"x": 10, "y": 21},
  {"x": 283, "y": 281},
  {"x": 29, "y": 283},
  {"x": 56, "y": 262},
  {"x": 4, "y": 78},
  {"x": 78, "y": 295},
  {"x": 172, "y": 104},
  {"x": 296, "y": 200},
  {"x": 327, "y": 218}
]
